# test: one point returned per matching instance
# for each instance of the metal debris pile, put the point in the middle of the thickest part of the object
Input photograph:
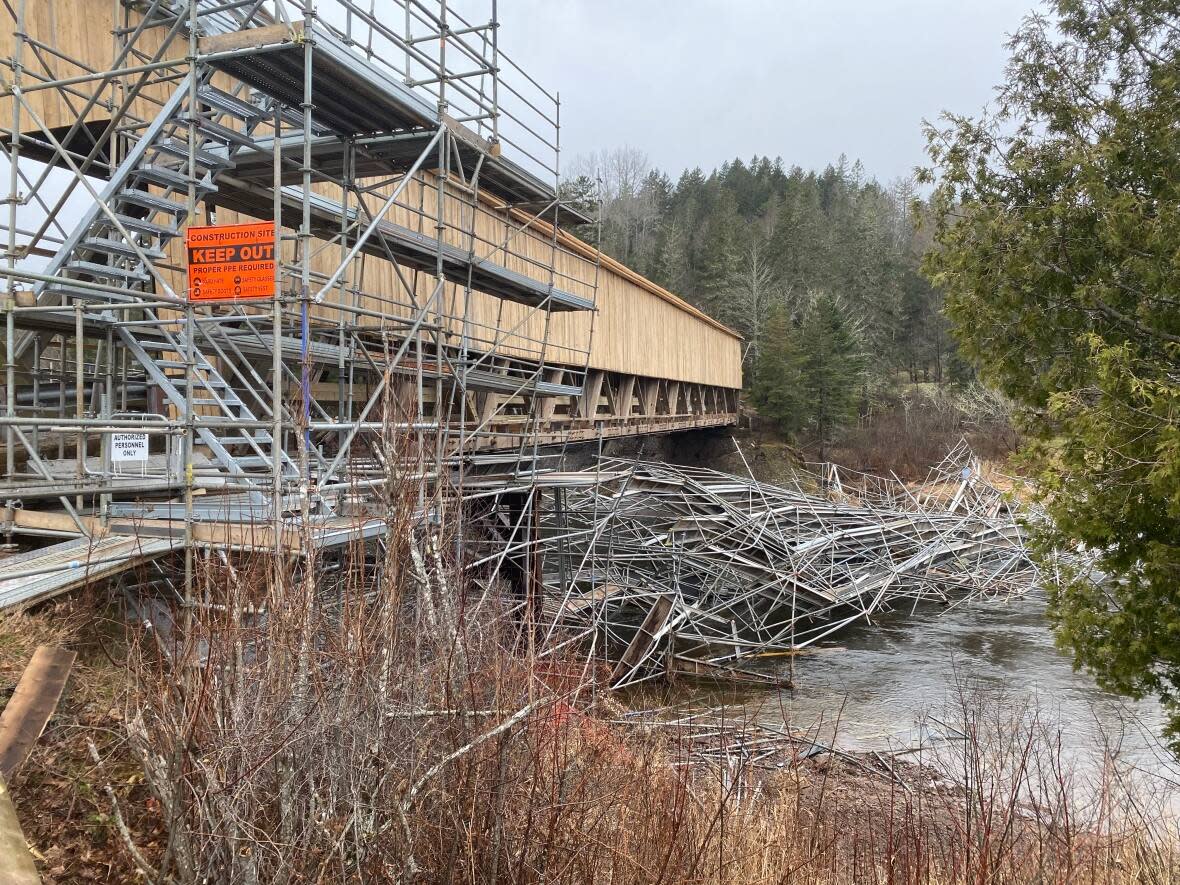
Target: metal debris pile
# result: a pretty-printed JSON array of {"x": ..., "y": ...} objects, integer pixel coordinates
[{"x": 685, "y": 570}]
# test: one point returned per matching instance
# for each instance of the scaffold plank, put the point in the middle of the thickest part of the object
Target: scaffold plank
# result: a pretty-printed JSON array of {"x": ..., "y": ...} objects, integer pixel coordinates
[{"x": 35, "y": 576}]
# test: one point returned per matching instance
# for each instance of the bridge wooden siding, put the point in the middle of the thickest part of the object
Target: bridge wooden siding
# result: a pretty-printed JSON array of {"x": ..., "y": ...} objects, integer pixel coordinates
[{"x": 640, "y": 329}]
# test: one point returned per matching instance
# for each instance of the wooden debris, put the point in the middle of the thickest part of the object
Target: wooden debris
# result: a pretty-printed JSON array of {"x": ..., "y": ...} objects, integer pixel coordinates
[
  {"x": 645, "y": 639},
  {"x": 31, "y": 705},
  {"x": 16, "y": 861}
]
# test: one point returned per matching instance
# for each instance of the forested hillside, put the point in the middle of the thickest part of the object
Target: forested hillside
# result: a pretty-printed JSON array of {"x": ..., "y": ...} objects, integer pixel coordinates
[{"x": 754, "y": 237}]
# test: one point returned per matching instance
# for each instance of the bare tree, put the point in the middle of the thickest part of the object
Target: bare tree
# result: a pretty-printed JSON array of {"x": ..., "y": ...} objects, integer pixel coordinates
[
  {"x": 620, "y": 172},
  {"x": 755, "y": 288},
  {"x": 628, "y": 208}
]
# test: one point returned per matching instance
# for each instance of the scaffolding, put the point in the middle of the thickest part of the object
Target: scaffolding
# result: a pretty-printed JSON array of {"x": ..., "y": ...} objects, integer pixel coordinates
[
  {"x": 410, "y": 170},
  {"x": 683, "y": 571}
]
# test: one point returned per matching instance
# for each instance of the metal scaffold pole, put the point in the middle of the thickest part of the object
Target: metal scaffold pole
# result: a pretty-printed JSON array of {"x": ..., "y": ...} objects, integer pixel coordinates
[
  {"x": 422, "y": 166},
  {"x": 189, "y": 326}
]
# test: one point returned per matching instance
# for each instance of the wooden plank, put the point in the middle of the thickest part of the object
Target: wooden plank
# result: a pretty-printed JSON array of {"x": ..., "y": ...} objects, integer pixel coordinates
[
  {"x": 250, "y": 38},
  {"x": 584, "y": 601},
  {"x": 682, "y": 665},
  {"x": 641, "y": 644},
  {"x": 468, "y": 137},
  {"x": 31, "y": 705},
  {"x": 16, "y": 861}
]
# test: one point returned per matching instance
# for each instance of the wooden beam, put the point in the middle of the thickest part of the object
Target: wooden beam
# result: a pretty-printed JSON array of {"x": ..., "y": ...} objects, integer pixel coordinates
[
  {"x": 548, "y": 404},
  {"x": 16, "y": 861},
  {"x": 591, "y": 394},
  {"x": 649, "y": 394},
  {"x": 31, "y": 705},
  {"x": 486, "y": 404},
  {"x": 250, "y": 38},
  {"x": 624, "y": 392},
  {"x": 234, "y": 534},
  {"x": 645, "y": 639}
]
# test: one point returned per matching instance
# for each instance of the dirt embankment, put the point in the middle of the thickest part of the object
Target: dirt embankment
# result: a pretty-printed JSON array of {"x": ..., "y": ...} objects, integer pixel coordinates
[{"x": 588, "y": 796}]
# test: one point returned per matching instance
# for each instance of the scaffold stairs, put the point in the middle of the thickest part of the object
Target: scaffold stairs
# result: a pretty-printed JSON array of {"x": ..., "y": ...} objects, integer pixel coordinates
[
  {"x": 110, "y": 257},
  {"x": 112, "y": 250},
  {"x": 211, "y": 393}
]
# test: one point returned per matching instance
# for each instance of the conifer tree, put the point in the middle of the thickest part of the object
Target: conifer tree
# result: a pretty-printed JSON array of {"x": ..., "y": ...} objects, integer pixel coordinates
[
  {"x": 1058, "y": 243},
  {"x": 837, "y": 230},
  {"x": 808, "y": 374},
  {"x": 778, "y": 376},
  {"x": 832, "y": 367}
]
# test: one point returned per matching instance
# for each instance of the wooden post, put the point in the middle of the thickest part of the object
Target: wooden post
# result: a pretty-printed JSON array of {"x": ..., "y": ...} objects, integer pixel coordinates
[
  {"x": 548, "y": 404},
  {"x": 486, "y": 403},
  {"x": 623, "y": 393},
  {"x": 649, "y": 396},
  {"x": 673, "y": 397}
]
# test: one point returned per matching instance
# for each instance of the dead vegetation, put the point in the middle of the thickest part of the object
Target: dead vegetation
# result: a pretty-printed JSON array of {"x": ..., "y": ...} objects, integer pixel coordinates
[
  {"x": 397, "y": 729},
  {"x": 385, "y": 719},
  {"x": 911, "y": 427}
]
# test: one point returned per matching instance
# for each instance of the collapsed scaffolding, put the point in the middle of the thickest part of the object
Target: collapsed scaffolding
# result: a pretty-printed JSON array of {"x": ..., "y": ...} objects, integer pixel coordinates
[
  {"x": 681, "y": 570},
  {"x": 410, "y": 170}
]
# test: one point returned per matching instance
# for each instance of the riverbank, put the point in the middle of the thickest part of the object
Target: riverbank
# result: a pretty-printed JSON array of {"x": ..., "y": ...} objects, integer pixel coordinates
[{"x": 481, "y": 763}]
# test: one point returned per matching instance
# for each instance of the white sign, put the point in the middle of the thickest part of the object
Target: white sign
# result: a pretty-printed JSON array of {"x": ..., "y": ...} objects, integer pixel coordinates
[{"x": 129, "y": 447}]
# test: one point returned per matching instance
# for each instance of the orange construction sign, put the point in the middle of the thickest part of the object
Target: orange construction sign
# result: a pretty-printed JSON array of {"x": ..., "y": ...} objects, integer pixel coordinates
[{"x": 231, "y": 262}]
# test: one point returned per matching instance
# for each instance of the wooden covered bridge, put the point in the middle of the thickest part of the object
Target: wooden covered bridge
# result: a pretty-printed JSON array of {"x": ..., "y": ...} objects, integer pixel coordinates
[{"x": 376, "y": 256}]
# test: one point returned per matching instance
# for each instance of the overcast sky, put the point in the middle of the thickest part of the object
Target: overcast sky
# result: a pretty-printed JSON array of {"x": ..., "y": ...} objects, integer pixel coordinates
[{"x": 698, "y": 82}]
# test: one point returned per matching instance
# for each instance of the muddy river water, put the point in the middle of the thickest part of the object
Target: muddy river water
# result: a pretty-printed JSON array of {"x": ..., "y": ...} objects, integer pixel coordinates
[{"x": 871, "y": 686}]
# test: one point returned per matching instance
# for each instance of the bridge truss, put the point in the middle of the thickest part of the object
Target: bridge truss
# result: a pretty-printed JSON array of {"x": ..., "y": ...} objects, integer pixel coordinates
[{"x": 410, "y": 170}]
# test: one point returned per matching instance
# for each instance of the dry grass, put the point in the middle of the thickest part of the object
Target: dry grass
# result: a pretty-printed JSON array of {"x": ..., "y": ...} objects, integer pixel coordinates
[
  {"x": 389, "y": 732},
  {"x": 348, "y": 720},
  {"x": 912, "y": 428},
  {"x": 59, "y": 790}
]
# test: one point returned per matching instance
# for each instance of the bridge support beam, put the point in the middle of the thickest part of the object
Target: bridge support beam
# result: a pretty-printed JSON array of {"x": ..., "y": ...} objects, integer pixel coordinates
[{"x": 591, "y": 394}]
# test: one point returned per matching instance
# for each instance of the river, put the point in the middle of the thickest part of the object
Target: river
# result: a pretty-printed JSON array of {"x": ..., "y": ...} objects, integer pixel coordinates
[{"x": 871, "y": 687}]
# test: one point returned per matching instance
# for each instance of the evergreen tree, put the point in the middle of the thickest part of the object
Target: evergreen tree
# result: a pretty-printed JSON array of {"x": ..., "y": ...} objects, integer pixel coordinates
[
  {"x": 831, "y": 364},
  {"x": 580, "y": 193},
  {"x": 718, "y": 257},
  {"x": 837, "y": 230},
  {"x": 777, "y": 390},
  {"x": 1058, "y": 244},
  {"x": 808, "y": 374}
]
